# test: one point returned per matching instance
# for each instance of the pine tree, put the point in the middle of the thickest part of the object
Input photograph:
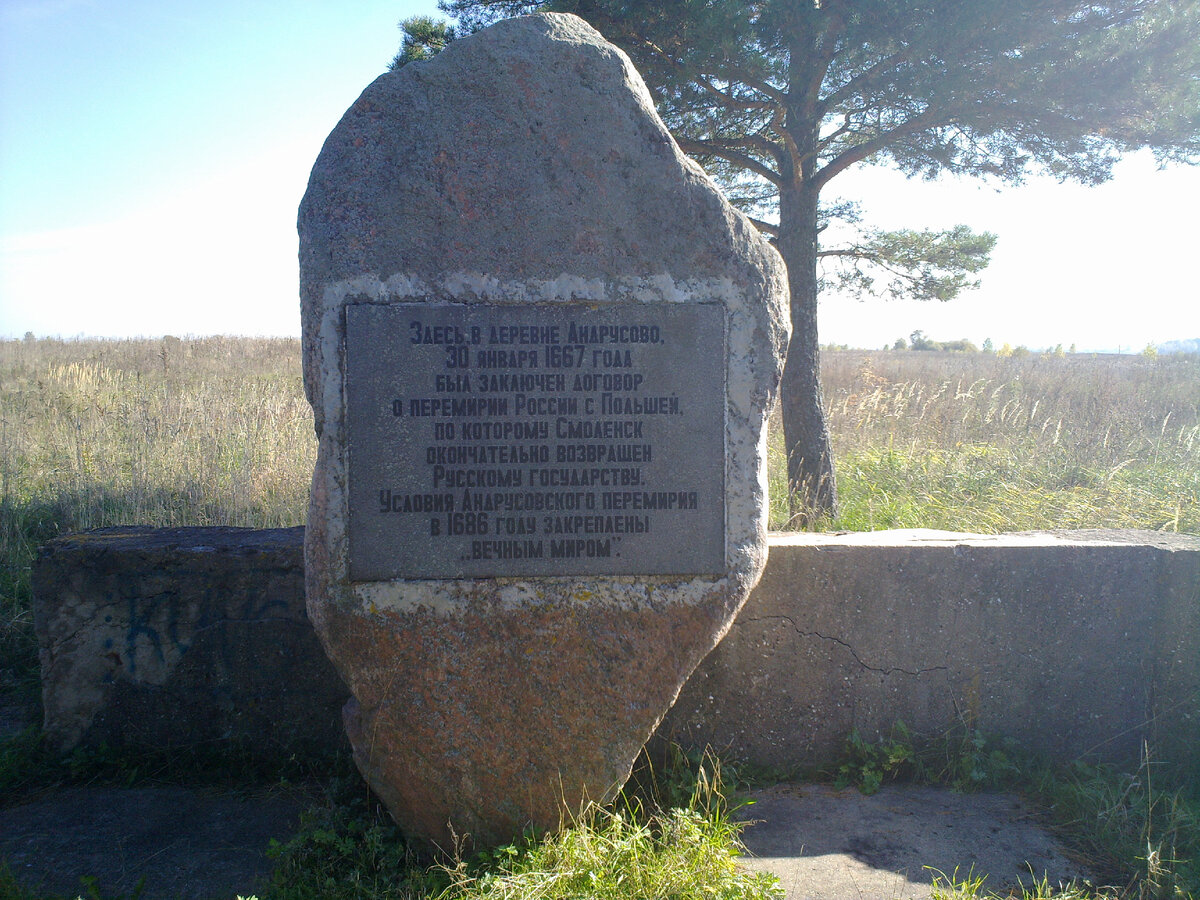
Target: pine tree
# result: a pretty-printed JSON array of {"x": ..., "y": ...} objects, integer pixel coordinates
[{"x": 778, "y": 98}]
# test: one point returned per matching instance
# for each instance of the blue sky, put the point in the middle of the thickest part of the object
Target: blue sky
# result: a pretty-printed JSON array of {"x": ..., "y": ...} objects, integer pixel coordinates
[{"x": 152, "y": 156}]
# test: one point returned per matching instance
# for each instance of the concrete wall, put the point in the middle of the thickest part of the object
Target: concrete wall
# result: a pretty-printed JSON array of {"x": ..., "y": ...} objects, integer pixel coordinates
[
  {"x": 183, "y": 637},
  {"x": 1074, "y": 643},
  {"x": 1077, "y": 643}
]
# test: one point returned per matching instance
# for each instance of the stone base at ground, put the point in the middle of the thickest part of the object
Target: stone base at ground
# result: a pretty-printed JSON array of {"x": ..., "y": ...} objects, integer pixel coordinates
[
  {"x": 554, "y": 699},
  {"x": 187, "y": 637}
]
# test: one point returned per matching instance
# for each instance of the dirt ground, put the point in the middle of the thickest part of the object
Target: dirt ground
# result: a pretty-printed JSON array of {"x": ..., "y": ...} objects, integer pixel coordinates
[{"x": 198, "y": 844}]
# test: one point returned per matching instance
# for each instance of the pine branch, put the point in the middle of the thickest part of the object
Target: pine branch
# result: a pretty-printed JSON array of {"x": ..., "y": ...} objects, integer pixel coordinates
[
  {"x": 728, "y": 151},
  {"x": 921, "y": 122},
  {"x": 764, "y": 227}
]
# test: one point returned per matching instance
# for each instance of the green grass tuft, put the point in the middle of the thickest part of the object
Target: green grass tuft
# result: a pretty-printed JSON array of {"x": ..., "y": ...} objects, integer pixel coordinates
[
  {"x": 1141, "y": 829},
  {"x": 611, "y": 855},
  {"x": 349, "y": 850},
  {"x": 620, "y": 852}
]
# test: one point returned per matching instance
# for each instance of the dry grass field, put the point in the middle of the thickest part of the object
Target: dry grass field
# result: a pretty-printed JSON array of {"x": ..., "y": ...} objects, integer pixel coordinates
[
  {"x": 215, "y": 431},
  {"x": 163, "y": 432},
  {"x": 212, "y": 431},
  {"x": 984, "y": 443}
]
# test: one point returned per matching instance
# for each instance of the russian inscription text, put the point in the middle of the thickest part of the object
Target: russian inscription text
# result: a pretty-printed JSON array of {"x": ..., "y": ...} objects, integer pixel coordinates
[{"x": 535, "y": 440}]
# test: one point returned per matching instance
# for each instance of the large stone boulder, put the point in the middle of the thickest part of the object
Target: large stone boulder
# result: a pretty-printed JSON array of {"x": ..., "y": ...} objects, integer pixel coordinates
[{"x": 475, "y": 227}]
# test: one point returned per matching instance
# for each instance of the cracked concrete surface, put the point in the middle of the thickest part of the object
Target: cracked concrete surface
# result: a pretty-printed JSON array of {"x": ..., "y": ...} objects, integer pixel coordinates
[
  {"x": 883, "y": 670},
  {"x": 1066, "y": 643}
]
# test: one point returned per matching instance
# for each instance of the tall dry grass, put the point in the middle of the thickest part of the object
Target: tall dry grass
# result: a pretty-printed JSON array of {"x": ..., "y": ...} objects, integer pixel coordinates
[
  {"x": 156, "y": 432},
  {"x": 977, "y": 442},
  {"x": 211, "y": 431}
]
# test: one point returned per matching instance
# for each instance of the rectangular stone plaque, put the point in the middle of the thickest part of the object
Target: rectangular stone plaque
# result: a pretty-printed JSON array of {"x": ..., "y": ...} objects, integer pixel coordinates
[{"x": 535, "y": 440}]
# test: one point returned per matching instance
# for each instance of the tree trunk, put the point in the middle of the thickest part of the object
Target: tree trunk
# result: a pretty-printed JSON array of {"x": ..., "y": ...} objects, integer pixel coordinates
[{"x": 811, "y": 483}]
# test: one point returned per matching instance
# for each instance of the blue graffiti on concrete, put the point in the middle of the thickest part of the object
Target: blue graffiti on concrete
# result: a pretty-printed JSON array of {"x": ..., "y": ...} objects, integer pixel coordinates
[{"x": 166, "y": 625}]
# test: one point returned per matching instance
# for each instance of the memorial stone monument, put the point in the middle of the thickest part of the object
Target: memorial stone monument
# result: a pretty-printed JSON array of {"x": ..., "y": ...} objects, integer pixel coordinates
[{"x": 541, "y": 349}]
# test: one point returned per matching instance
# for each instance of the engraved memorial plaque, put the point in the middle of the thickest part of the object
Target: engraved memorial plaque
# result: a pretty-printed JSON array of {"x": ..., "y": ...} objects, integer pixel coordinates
[{"x": 488, "y": 440}]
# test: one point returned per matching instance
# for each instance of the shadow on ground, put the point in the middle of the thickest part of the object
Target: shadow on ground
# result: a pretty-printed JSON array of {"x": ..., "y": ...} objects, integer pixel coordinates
[
  {"x": 201, "y": 844},
  {"x": 177, "y": 842},
  {"x": 841, "y": 845}
]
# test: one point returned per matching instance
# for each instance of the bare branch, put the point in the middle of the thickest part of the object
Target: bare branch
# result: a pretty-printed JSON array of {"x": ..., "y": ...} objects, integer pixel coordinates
[
  {"x": 728, "y": 153},
  {"x": 764, "y": 227}
]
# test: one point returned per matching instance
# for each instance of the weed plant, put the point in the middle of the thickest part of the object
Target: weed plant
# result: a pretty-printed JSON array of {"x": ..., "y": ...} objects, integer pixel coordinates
[
  {"x": 1139, "y": 830},
  {"x": 347, "y": 848},
  {"x": 962, "y": 759}
]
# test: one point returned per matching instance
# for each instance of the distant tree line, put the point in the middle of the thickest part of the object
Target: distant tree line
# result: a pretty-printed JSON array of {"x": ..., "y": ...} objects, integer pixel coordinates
[{"x": 919, "y": 341}]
